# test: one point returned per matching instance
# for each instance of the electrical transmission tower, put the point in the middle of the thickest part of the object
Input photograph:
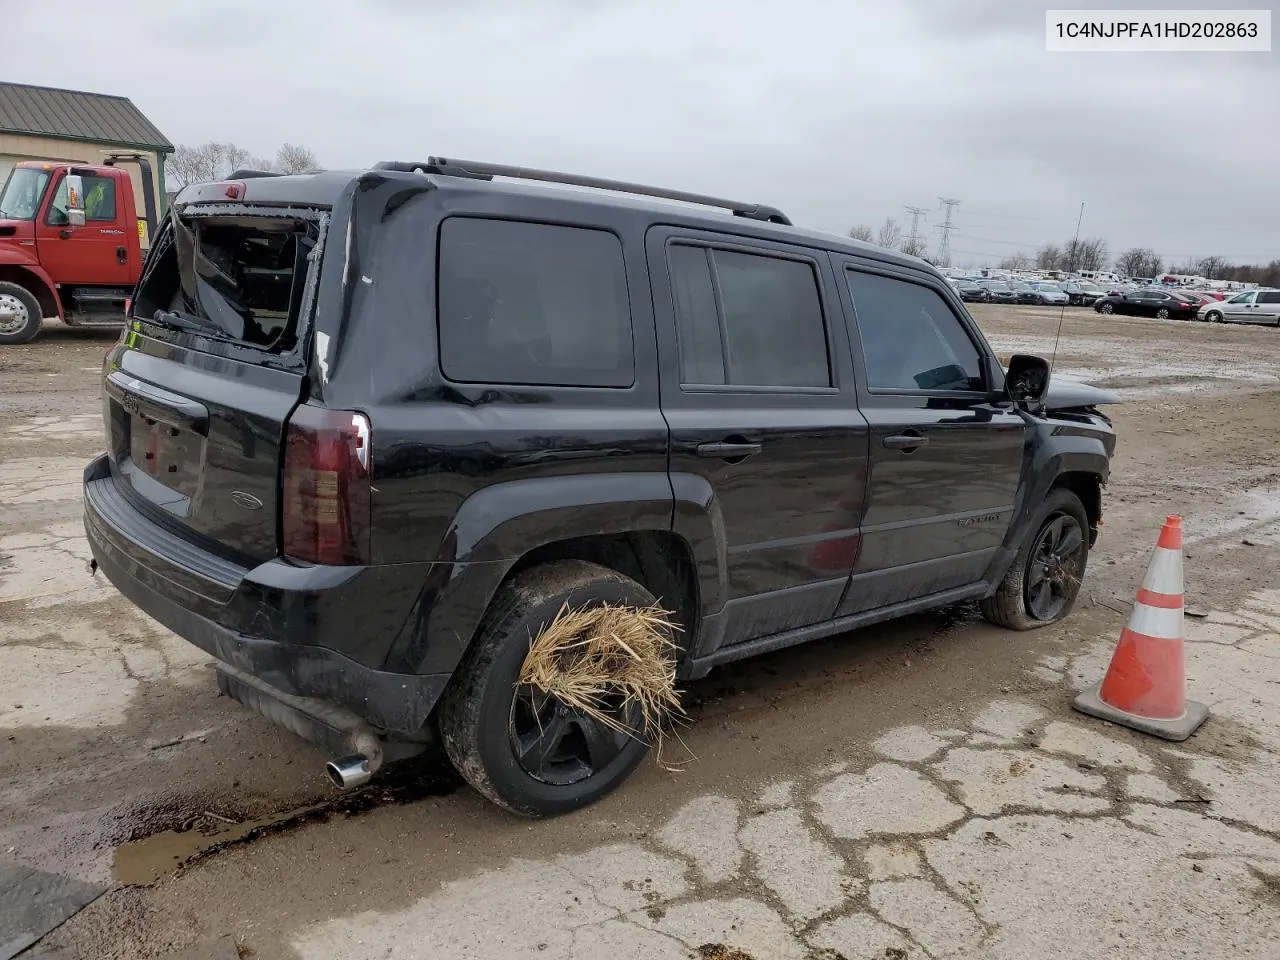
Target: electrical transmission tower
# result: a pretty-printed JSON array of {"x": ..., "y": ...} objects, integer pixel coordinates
[
  {"x": 944, "y": 248},
  {"x": 914, "y": 245}
]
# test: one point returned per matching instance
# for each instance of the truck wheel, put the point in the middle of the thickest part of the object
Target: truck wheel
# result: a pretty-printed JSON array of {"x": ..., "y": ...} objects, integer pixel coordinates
[
  {"x": 524, "y": 749},
  {"x": 19, "y": 314},
  {"x": 1042, "y": 585}
]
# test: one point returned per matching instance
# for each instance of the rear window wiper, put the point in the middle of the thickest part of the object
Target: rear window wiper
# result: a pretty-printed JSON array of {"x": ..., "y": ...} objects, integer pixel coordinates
[{"x": 181, "y": 321}]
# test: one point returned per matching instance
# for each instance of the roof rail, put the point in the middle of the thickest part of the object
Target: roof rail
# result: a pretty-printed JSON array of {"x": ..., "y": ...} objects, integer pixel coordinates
[
  {"x": 487, "y": 171},
  {"x": 250, "y": 174}
]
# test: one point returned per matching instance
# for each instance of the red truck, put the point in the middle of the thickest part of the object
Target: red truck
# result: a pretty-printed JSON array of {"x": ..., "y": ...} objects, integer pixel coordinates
[{"x": 71, "y": 243}]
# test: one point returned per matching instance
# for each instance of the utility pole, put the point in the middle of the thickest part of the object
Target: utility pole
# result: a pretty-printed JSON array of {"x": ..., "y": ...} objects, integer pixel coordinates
[
  {"x": 944, "y": 248},
  {"x": 914, "y": 245}
]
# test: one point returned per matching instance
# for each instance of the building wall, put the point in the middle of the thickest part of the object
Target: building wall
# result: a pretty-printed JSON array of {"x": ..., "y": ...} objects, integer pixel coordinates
[{"x": 15, "y": 147}]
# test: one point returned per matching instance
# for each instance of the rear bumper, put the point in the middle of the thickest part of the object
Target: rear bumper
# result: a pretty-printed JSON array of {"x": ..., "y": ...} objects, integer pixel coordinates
[{"x": 267, "y": 621}]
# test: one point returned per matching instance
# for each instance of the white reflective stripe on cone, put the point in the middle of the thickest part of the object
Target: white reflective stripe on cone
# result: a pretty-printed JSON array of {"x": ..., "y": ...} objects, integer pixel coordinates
[
  {"x": 1156, "y": 622},
  {"x": 1164, "y": 573}
]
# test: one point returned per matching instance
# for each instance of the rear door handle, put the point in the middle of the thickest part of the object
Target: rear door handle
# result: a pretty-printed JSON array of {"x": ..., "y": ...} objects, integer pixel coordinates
[
  {"x": 905, "y": 441},
  {"x": 729, "y": 450}
]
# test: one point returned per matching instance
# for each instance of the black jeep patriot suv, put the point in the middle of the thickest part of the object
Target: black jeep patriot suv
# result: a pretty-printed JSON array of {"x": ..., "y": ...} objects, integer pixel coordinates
[{"x": 369, "y": 432}]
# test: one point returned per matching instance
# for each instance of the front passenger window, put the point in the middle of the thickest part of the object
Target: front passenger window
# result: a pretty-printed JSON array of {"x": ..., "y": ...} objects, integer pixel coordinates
[{"x": 911, "y": 339}]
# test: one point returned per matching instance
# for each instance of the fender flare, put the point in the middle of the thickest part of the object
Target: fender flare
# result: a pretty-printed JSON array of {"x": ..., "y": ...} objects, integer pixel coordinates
[
  {"x": 39, "y": 278},
  {"x": 497, "y": 526},
  {"x": 1058, "y": 451}
]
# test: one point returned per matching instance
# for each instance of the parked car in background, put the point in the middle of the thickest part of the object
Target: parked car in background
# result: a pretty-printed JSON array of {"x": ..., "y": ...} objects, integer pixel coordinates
[
  {"x": 998, "y": 291},
  {"x": 1050, "y": 293},
  {"x": 1198, "y": 296},
  {"x": 1083, "y": 293},
  {"x": 1149, "y": 302},
  {"x": 971, "y": 292},
  {"x": 1023, "y": 291},
  {"x": 1256, "y": 306}
]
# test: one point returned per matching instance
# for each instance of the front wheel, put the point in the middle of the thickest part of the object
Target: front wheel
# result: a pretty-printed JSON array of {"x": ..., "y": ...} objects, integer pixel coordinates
[
  {"x": 1213, "y": 316},
  {"x": 19, "y": 314},
  {"x": 1044, "y": 581},
  {"x": 524, "y": 748},
  {"x": 1106, "y": 308}
]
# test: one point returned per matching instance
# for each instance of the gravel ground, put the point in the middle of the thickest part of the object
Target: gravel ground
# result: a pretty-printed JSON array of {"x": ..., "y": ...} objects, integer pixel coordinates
[{"x": 918, "y": 789}]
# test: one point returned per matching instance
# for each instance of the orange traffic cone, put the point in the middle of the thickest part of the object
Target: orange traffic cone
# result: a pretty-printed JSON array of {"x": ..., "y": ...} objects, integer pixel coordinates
[{"x": 1145, "y": 685}]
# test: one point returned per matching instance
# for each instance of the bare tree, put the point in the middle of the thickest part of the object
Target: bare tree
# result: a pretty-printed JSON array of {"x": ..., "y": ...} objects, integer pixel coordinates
[
  {"x": 1048, "y": 257},
  {"x": 234, "y": 157},
  {"x": 1266, "y": 276},
  {"x": 914, "y": 246},
  {"x": 1093, "y": 254},
  {"x": 862, "y": 232},
  {"x": 214, "y": 160},
  {"x": 1072, "y": 256},
  {"x": 890, "y": 233},
  {"x": 292, "y": 158},
  {"x": 1016, "y": 261},
  {"x": 1213, "y": 268},
  {"x": 1138, "y": 262}
]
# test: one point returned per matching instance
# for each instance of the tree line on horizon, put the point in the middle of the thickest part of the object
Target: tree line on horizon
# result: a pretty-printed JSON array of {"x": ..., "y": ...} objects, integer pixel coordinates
[
  {"x": 1093, "y": 254},
  {"x": 216, "y": 159}
]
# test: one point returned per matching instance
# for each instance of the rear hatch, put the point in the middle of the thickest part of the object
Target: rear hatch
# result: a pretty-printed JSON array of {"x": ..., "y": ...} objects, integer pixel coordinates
[{"x": 198, "y": 391}]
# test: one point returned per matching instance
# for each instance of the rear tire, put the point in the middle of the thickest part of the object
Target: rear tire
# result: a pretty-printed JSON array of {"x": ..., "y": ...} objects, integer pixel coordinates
[
  {"x": 1162, "y": 313},
  {"x": 19, "y": 314},
  {"x": 1014, "y": 605},
  {"x": 482, "y": 710}
]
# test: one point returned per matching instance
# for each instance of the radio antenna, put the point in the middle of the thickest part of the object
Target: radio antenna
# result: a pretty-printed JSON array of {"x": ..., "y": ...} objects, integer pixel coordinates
[{"x": 1062, "y": 312}]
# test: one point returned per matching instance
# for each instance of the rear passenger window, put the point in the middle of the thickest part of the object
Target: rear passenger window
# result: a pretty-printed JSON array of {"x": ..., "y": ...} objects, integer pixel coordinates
[
  {"x": 1269, "y": 297},
  {"x": 911, "y": 339},
  {"x": 531, "y": 303},
  {"x": 748, "y": 320}
]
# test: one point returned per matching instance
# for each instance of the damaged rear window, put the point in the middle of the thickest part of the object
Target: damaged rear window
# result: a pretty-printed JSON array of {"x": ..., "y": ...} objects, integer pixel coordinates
[{"x": 235, "y": 278}]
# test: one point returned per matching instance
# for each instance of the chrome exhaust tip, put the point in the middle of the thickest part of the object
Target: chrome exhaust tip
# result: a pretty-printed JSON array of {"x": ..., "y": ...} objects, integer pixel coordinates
[{"x": 348, "y": 772}]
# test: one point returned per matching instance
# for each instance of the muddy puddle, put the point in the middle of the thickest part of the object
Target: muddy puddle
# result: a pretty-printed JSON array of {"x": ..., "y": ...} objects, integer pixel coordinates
[{"x": 147, "y": 860}]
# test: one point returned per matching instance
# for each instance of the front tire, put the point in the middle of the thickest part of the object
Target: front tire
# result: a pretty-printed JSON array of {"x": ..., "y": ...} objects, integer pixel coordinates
[
  {"x": 1213, "y": 316},
  {"x": 1043, "y": 583},
  {"x": 1105, "y": 308},
  {"x": 525, "y": 750},
  {"x": 19, "y": 314}
]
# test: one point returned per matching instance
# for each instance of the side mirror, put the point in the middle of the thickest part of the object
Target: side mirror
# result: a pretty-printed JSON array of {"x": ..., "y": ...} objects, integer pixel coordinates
[
  {"x": 75, "y": 200},
  {"x": 1027, "y": 379}
]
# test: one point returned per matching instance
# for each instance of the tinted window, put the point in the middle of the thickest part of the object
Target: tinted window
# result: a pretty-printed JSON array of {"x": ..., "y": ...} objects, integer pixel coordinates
[
  {"x": 532, "y": 303},
  {"x": 1269, "y": 297},
  {"x": 910, "y": 338},
  {"x": 697, "y": 321},
  {"x": 768, "y": 319}
]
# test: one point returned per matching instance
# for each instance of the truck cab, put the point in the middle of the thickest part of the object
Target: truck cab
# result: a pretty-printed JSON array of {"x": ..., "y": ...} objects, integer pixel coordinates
[{"x": 71, "y": 245}]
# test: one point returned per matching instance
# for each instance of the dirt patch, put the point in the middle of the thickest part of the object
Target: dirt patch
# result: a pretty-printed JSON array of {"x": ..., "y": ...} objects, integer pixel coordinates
[
  {"x": 718, "y": 951},
  {"x": 163, "y": 838}
]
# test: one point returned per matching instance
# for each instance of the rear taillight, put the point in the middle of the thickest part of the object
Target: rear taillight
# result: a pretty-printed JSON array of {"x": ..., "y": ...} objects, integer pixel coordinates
[{"x": 325, "y": 490}]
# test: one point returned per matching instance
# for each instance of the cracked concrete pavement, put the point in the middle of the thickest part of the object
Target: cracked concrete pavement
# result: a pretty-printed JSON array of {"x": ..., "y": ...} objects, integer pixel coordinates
[
  {"x": 1010, "y": 839},
  {"x": 922, "y": 790}
]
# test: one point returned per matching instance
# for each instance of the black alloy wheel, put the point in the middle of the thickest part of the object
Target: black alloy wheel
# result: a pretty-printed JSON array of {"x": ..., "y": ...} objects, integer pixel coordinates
[
  {"x": 1053, "y": 574},
  {"x": 557, "y": 745}
]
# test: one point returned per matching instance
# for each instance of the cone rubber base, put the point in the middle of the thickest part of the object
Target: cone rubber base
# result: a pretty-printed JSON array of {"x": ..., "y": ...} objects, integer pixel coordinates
[{"x": 1196, "y": 713}]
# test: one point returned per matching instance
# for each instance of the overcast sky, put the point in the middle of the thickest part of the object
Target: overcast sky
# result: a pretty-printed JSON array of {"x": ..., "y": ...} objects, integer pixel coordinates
[{"x": 838, "y": 111}]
